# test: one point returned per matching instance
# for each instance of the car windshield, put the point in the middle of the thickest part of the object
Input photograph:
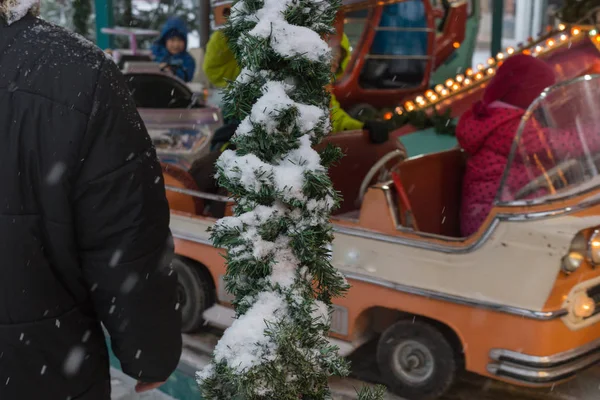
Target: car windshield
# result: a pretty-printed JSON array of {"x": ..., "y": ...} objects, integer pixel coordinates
[{"x": 556, "y": 152}]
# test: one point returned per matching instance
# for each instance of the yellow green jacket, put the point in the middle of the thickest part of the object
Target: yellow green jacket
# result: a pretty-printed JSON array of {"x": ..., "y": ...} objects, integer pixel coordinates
[{"x": 220, "y": 66}]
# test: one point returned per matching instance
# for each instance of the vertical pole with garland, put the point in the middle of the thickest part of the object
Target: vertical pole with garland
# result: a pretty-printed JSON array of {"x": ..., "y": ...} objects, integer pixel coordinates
[{"x": 278, "y": 261}]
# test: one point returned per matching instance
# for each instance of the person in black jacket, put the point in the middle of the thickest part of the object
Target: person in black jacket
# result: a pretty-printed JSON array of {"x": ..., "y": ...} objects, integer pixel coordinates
[{"x": 84, "y": 236}]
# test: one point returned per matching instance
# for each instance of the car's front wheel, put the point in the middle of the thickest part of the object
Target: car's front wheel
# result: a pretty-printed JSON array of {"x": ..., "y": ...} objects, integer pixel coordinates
[
  {"x": 195, "y": 293},
  {"x": 416, "y": 360}
]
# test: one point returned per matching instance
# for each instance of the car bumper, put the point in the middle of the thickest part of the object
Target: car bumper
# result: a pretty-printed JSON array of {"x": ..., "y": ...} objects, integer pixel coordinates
[{"x": 543, "y": 370}]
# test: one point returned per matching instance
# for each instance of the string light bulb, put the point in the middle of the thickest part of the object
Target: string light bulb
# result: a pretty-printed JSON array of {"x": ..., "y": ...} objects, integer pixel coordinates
[
  {"x": 409, "y": 106},
  {"x": 444, "y": 92},
  {"x": 455, "y": 87},
  {"x": 510, "y": 50},
  {"x": 563, "y": 37},
  {"x": 576, "y": 31},
  {"x": 491, "y": 61},
  {"x": 460, "y": 78},
  {"x": 562, "y": 27},
  {"x": 490, "y": 71},
  {"x": 500, "y": 56},
  {"x": 430, "y": 93},
  {"x": 478, "y": 76},
  {"x": 538, "y": 49},
  {"x": 469, "y": 72},
  {"x": 550, "y": 42},
  {"x": 449, "y": 82},
  {"x": 399, "y": 111},
  {"x": 480, "y": 67},
  {"x": 439, "y": 88},
  {"x": 467, "y": 81},
  {"x": 433, "y": 98},
  {"x": 420, "y": 100}
]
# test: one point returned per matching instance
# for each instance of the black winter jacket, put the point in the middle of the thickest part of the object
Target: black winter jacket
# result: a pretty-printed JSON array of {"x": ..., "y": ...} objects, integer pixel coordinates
[{"x": 84, "y": 234}]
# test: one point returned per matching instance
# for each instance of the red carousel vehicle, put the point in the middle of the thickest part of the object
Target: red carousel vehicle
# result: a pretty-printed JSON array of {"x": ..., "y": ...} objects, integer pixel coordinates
[{"x": 396, "y": 46}]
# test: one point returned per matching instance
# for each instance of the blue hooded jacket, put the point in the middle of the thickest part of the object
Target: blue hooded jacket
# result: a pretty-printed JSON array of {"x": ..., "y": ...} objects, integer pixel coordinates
[{"x": 183, "y": 63}]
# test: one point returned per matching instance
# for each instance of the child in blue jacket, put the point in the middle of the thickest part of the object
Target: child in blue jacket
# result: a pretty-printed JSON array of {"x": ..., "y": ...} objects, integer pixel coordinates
[{"x": 170, "y": 50}]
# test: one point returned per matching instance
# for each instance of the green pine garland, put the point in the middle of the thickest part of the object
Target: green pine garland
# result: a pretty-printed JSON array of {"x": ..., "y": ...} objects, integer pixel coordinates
[
  {"x": 443, "y": 124},
  {"x": 81, "y": 16},
  {"x": 574, "y": 11},
  {"x": 278, "y": 257}
]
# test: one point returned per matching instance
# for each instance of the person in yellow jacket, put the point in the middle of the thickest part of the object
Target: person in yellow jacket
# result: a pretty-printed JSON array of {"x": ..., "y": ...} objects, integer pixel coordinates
[{"x": 220, "y": 66}]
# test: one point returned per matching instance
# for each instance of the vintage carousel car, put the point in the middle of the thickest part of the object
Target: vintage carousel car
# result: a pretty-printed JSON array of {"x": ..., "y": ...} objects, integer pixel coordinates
[
  {"x": 518, "y": 301},
  {"x": 178, "y": 119}
]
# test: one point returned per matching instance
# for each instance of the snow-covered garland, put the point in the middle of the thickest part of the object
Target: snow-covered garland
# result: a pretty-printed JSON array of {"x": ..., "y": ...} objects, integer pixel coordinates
[{"x": 278, "y": 240}]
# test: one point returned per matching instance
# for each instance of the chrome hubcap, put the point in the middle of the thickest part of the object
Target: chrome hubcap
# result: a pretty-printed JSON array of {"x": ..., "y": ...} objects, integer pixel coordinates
[{"x": 413, "y": 362}]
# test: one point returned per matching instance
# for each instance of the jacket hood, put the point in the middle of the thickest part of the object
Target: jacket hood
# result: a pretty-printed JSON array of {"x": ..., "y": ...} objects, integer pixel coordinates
[
  {"x": 472, "y": 131},
  {"x": 13, "y": 10},
  {"x": 176, "y": 24}
]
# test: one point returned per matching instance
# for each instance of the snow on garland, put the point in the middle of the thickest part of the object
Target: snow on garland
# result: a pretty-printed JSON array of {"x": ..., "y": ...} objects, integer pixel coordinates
[
  {"x": 278, "y": 265},
  {"x": 13, "y": 10}
]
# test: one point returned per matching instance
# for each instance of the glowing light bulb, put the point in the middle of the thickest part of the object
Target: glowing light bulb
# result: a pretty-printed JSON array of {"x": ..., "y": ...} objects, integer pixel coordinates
[
  {"x": 399, "y": 111},
  {"x": 490, "y": 71},
  {"x": 456, "y": 45},
  {"x": 444, "y": 92},
  {"x": 409, "y": 106},
  {"x": 429, "y": 93},
  {"x": 500, "y": 56},
  {"x": 467, "y": 81},
  {"x": 449, "y": 82},
  {"x": 550, "y": 42},
  {"x": 491, "y": 61},
  {"x": 478, "y": 76},
  {"x": 480, "y": 67},
  {"x": 420, "y": 100},
  {"x": 575, "y": 31},
  {"x": 439, "y": 88},
  {"x": 510, "y": 50},
  {"x": 562, "y": 27},
  {"x": 456, "y": 86},
  {"x": 460, "y": 78},
  {"x": 563, "y": 37},
  {"x": 538, "y": 49},
  {"x": 433, "y": 98},
  {"x": 469, "y": 72}
]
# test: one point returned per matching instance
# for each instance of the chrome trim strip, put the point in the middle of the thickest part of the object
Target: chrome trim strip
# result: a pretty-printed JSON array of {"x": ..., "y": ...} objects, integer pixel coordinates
[
  {"x": 543, "y": 361},
  {"x": 542, "y": 376},
  {"x": 426, "y": 245},
  {"x": 432, "y": 294},
  {"x": 522, "y": 312},
  {"x": 195, "y": 193},
  {"x": 190, "y": 237}
]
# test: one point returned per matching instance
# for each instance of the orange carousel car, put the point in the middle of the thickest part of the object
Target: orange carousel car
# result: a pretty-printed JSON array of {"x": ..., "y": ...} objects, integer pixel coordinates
[{"x": 437, "y": 302}]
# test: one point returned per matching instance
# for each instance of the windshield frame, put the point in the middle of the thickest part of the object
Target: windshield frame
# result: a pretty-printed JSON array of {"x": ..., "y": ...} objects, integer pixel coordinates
[{"x": 568, "y": 194}]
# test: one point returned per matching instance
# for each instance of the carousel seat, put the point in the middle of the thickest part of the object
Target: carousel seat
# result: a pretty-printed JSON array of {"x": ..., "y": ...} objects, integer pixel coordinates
[
  {"x": 359, "y": 156},
  {"x": 433, "y": 184},
  {"x": 179, "y": 178}
]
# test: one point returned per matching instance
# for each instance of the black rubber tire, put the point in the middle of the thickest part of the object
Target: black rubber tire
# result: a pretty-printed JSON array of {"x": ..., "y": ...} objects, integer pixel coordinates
[
  {"x": 445, "y": 364},
  {"x": 196, "y": 294}
]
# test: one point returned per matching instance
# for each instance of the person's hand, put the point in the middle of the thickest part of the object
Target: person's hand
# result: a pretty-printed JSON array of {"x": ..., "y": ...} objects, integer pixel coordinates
[
  {"x": 142, "y": 387},
  {"x": 379, "y": 131}
]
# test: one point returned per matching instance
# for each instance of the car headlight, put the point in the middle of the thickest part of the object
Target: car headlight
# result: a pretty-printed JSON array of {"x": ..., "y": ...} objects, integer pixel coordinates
[
  {"x": 594, "y": 248},
  {"x": 583, "y": 306},
  {"x": 572, "y": 261}
]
